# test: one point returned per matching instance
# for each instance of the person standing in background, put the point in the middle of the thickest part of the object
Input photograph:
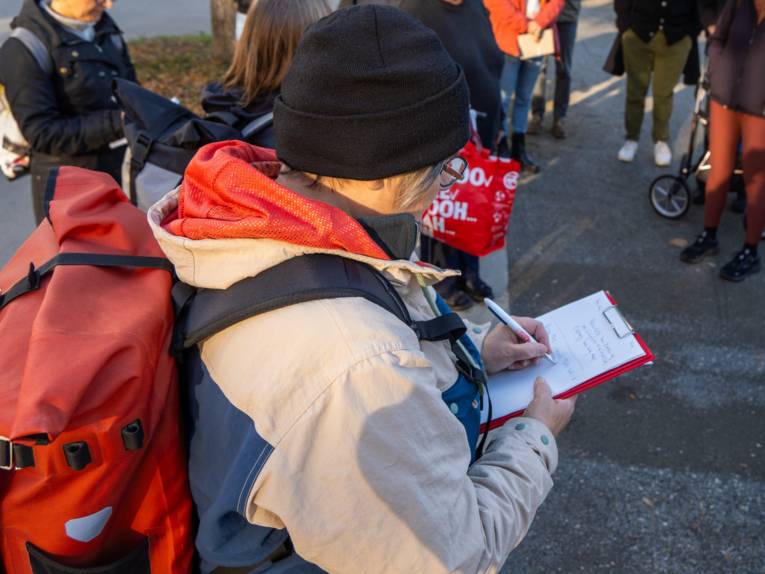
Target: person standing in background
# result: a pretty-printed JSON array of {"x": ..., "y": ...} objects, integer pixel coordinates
[
  {"x": 657, "y": 36},
  {"x": 68, "y": 116},
  {"x": 263, "y": 54},
  {"x": 464, "y": 29},
  {"x": 709, "y": 12},
  {"x": 509, "y": 19},
  {"x": 566, "y": 25},
  {"x": 737, "y": 117}
]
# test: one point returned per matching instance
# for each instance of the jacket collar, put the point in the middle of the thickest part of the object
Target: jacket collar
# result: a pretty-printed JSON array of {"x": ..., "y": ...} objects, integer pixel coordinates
[
  {"x": 395, "y": 234},
  {"x": 219, "y": 263}
]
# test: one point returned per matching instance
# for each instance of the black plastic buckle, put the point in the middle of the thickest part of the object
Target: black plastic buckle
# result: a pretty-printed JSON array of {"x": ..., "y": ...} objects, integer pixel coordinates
[
  {"x": 440, "y": 328},
  {"x": 23, "y": 456},
  {"x": 6, "y": 454},
  {"x": 77, "y": 455},
  {"x": 474, "y": 375},
  {"x": 140, "y": 150},
  {"x": 14, "y": 456},
  {"x": 132, "y": 435},
  {"x": 33, "y": 277}
]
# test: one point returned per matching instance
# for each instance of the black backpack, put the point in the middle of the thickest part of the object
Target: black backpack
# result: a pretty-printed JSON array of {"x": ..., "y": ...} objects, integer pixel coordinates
[{"x": 163, "y": 136}]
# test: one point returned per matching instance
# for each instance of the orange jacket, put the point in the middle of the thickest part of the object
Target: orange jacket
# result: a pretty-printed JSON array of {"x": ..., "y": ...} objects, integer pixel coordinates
[{"x": 508, "y": 20}]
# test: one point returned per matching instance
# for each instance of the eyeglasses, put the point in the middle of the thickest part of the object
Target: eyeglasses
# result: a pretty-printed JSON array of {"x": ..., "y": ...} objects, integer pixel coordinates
[{"x": 452, "y": 171}]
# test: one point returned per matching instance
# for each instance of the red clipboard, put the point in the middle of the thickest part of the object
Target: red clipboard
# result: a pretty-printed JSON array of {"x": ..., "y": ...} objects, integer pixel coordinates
[{"x": 649, "y": 357}]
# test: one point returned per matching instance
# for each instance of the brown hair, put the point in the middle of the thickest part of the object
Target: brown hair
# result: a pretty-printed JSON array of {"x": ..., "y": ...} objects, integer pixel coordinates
[{"x": 264, "y": 52}]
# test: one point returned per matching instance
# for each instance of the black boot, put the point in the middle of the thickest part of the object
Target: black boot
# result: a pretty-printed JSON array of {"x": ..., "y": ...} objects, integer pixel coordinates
[
  {"x": 744, "y": 263},
  {"x": 705, "y": 244},
  {"x": 518, "y": 153}
]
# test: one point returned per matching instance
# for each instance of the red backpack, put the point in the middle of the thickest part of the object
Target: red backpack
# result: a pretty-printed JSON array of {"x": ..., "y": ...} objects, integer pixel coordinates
[{"x": 92, "y": 464}]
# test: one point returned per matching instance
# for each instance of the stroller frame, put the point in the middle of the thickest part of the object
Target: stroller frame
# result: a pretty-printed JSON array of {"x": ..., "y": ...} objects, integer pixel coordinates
[{"x": 670, "y": 195}]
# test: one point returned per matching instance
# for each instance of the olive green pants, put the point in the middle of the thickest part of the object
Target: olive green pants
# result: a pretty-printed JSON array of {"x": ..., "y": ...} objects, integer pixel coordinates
[{"x": 665, "y": 62}]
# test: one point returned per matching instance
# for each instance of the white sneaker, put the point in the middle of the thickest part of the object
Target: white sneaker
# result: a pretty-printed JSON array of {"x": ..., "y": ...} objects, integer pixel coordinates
[
  {"x": 628, "y": 151},
  {"x": 662, "y": 155}
]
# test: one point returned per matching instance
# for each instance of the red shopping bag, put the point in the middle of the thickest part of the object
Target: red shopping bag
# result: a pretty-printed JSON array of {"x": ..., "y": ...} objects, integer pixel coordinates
[{"x": 473, "y": 215}]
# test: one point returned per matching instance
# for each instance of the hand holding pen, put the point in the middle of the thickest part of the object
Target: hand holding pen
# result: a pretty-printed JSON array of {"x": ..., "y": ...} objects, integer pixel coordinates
[{"x": 516, "y": 343}]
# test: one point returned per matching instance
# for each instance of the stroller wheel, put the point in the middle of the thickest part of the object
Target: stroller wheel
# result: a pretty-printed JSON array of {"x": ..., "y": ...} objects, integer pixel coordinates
[{"x": 670, "y": 196}]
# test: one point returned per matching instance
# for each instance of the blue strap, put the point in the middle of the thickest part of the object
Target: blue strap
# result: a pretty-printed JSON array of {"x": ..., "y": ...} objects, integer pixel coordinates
[{"x": 36, "y": 48}]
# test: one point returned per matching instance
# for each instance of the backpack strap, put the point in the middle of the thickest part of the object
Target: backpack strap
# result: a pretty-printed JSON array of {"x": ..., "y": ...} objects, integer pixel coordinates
[
  {"x": 253, "y": 127},
  {"x": 201, "y": 313},
  {"x": 228, "y": 118},
  {"x": 35, "y": 47},
  {"x": 258, "y": 125},
  {"x": 35, "y": 275}
]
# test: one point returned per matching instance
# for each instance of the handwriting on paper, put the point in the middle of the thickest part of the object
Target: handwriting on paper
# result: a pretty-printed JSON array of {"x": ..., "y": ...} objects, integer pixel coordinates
[
  {"x": 595, "y": 341},
  {"x": 585, "y": 344}
]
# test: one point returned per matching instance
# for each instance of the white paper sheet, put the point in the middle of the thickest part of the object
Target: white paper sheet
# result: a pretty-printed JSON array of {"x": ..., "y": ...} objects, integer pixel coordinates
[{"x": 585, "y": 343}]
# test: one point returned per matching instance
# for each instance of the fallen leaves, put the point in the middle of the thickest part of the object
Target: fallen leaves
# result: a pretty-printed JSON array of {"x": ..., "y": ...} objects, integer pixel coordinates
[{"x": 177, "y": 66}]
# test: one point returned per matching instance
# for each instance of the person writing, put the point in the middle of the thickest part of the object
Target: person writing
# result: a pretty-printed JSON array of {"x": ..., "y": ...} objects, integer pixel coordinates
[
  {"x": 67, "y": 114},
  {"x": 325, "y": 437}
]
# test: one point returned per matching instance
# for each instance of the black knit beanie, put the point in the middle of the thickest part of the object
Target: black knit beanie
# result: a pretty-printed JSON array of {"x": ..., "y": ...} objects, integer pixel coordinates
[{"x": 371, "y": 93}]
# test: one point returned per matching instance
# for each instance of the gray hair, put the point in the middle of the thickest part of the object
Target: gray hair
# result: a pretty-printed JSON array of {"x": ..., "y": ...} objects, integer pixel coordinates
[{"x": 408, "y": 187}]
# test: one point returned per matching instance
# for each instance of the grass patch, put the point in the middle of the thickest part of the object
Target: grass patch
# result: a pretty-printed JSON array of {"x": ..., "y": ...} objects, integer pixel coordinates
[{"x": 177, "y": 66}]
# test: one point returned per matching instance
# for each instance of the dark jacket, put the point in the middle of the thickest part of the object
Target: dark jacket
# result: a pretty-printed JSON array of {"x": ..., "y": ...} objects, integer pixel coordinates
[
  {"x": 70, "y": 116},
  {"x": 466, "y": 33},
  {"x": 242, "y": 6},
  {"x": 676, "y": 18},
  {"x": 570, "y": 12},
  {"x": 737, "y": 59},
  {"x": 217, "y": 101},
  {"x": 709, "y": 11}
]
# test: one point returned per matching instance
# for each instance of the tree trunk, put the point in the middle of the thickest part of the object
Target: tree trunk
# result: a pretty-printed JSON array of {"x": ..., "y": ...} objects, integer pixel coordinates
[{"x": 223, "y": 13}]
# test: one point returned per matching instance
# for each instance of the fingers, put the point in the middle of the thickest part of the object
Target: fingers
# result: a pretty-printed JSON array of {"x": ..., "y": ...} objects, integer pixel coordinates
[
  {"x": 518, "y": 365},
  {"x": 536, "y": 330},
  {"x": 540, "y": 334},
  {"x": 528, "y": 351},
  {"x": 541, "y": 389},
  {"x": 503, "y": 349},
  {"x": 510, "y": 335}
]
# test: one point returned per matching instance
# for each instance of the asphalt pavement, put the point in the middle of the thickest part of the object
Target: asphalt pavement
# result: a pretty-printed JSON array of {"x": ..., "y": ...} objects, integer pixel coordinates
[{"x": 663, "y": 469}]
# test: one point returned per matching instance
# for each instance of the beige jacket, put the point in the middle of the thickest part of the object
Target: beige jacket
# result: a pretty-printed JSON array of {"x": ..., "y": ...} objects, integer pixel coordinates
[{"x": 370, "y": 470}]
